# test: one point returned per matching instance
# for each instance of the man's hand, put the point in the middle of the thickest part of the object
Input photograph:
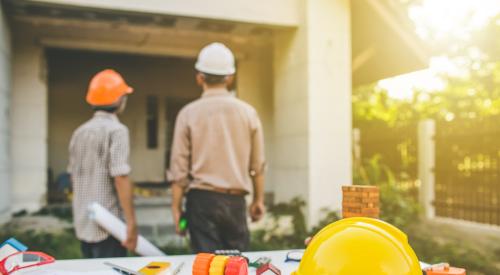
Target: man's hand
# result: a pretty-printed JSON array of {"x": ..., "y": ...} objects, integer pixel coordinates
[
  {"x": 257, "y": 210},
  {"x": 177, "y": 196},
  {"x": 125, "y": 189},
  {"x": 131, "y": 242},
  {"x": 177, "y": 213}
]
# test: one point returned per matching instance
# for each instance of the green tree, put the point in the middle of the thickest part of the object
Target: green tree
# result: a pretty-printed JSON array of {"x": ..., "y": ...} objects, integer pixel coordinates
[{"x": 471, "y": 96}]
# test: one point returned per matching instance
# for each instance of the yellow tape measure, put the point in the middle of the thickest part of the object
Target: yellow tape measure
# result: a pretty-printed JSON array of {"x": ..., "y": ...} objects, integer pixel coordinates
[{"x": 155, "y": 268}]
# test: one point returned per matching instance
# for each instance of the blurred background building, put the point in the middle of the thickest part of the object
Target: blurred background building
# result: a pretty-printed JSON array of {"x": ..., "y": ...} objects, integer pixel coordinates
[{"x": 297, "y": 63}]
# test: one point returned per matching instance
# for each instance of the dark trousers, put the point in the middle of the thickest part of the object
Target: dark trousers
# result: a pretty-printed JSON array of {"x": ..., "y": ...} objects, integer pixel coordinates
[
  {"x": 109, "y": 248},
  {"x": 216, "y": 221}
]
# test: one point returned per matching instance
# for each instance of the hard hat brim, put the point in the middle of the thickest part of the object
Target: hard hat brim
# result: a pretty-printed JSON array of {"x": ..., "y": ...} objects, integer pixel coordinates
[
  {"x": 129, "y": 90},
  {"x": 200, "y": 68}
]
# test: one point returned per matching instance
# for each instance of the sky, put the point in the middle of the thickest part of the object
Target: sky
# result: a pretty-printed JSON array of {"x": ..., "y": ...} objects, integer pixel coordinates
[{"x": 438, "y": 21}]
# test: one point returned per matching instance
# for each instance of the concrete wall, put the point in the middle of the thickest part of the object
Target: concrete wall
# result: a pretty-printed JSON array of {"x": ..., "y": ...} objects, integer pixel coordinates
[
  {"x": 313, "y": 107},
  {"x": 255, "y": 86},
  {"x": 330, "y": 119},
  {"x": 272, "y": 12},
  {"x": 28, "y": 126},
  {"x": 5, "y": 57},
  {"x": 291, "y": 138}
]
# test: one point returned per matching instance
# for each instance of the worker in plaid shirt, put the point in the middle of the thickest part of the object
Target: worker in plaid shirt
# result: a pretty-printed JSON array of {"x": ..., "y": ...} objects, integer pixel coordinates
[{"x": 99, "y": 168}]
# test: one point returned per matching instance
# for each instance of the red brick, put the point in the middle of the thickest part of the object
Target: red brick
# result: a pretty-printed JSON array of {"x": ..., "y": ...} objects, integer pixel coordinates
[
  {"x": 370, "y": 200},
  {"x": 355, "y": 199}
]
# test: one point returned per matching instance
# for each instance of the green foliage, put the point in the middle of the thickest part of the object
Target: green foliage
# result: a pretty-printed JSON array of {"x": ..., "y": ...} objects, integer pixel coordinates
[
  {"x": 471, "y": 95},
  {"x": 398, "y": 207},
  {"x": 328, "y": 218},
  {"x": 63, "y": 212},
  {"x": 176, "y": 250},
  {"x": 62, "y": 245},
  {"x": 398, "y": 204},
  {"x": 274, "y": 239},
  {"x": 457, "y": 254}
]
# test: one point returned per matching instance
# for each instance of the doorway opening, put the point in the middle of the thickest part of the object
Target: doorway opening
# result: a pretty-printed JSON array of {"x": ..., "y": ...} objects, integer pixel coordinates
[{"x": 162, "y": 86}]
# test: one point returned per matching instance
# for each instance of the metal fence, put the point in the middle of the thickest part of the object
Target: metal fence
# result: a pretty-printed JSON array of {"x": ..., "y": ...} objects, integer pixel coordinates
[
  {"x": 467, "y": 170},
  {"x": 397, "y": 147},
  {"x": 466, "y": 164}
]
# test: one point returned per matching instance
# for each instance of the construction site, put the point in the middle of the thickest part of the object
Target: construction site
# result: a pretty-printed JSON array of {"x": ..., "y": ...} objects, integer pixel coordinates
[{"x": 302, "y": 64}]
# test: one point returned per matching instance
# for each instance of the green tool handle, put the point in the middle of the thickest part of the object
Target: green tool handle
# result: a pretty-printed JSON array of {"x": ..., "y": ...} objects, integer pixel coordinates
[{"x": 183, "y": 224}]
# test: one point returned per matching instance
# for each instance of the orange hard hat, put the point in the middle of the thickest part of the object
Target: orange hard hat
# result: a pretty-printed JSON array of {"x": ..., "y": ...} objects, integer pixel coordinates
[{"x": 106, "y": 88}]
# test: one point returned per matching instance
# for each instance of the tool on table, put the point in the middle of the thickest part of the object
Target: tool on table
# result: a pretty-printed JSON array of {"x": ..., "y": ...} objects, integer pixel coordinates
[
  {"x": 218, "y": 265},
  {"x": 231, "y": 253},
  {"x": 23, "y": 260},
  {"x": 294, "y": 256},
  {"x": 260, "y": 262},
  {"x": 201, "y": 264},
  {"x": 10, "y": 247},
  {"x": 155, "y": 268},
  {"x": 178, "y": 269},
  {"x": 236, "y": 266},
  {"x": 443, "y": 269},
  {"x": 207, "y": 263},
  {"x": 228, "y": 252},
  {"x": 268, "y": 269},
  {"x": 121, "y": 269}
]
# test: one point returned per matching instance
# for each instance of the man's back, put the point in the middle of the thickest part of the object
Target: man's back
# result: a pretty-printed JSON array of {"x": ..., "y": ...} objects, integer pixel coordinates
[
  {"x": 217, "y": 158},
  {"x": 223, "y": 137},
  {"x": 98, "y": 152}
]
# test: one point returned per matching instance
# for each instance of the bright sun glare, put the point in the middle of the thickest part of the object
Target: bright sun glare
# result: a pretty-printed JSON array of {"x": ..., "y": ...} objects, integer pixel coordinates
[{"x": 440, "y": 20}]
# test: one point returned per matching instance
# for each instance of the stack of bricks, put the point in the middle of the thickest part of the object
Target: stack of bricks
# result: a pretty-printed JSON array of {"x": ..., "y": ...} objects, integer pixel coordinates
[{"x": 360, "y": 201}]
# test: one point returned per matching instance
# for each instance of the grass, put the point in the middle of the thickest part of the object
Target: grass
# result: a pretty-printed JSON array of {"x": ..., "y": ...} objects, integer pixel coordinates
[{"x": 62, "y": 245}]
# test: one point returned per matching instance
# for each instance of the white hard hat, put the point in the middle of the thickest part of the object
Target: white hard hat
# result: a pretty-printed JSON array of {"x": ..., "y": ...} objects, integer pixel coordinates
[{"x": 216, "y": 59}]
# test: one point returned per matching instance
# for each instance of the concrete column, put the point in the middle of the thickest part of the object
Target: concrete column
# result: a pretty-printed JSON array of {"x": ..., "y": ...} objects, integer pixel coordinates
[
  {"x": 426, "y": 164},
  {"x": 28, "y": 127},
  {"x": 330, "y": 119},
  {"x": 313, "y": 107},
  {"x": 291, "y": 139},
  {"x": 5, "y": 188}
]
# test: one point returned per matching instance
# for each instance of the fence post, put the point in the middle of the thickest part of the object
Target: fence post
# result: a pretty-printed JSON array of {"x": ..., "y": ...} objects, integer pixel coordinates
[{"x": 426, "y": 164}]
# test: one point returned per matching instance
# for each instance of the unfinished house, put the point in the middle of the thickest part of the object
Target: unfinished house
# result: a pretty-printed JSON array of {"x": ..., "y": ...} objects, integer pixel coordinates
[{"x": 297, "y": 61}]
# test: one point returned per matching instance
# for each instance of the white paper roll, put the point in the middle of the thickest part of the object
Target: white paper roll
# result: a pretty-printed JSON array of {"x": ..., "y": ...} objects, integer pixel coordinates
[{"x": 118, "y": 229}]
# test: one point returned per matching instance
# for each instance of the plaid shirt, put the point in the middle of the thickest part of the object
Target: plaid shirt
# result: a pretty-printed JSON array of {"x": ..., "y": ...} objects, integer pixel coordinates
[{"x": 98, "y": 151}]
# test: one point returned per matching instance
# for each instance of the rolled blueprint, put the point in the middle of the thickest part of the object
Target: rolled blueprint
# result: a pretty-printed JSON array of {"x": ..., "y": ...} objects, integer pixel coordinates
[{"x": 117, "y": 228}]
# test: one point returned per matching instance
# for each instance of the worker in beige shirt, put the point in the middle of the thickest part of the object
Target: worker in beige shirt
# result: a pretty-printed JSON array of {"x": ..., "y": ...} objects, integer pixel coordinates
[{"x": 217, "y": 159}]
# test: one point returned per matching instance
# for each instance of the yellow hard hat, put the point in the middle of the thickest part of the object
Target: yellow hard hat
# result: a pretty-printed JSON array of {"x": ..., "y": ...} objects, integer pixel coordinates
[{"x": 359, "y": 246}]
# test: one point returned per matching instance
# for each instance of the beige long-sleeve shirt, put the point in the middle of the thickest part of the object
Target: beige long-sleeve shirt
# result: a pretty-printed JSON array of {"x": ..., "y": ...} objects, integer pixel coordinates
[{"x": 218, "y": 140}]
